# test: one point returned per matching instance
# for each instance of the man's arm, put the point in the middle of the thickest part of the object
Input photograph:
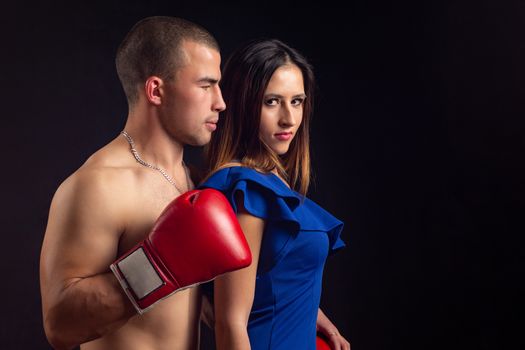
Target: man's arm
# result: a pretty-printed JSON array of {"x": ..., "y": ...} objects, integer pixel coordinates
[{"x": 81, "y": 299}]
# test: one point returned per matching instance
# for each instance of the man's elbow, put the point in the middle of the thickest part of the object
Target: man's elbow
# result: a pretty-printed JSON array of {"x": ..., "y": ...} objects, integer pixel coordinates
[{"x": 56, "y": 333}]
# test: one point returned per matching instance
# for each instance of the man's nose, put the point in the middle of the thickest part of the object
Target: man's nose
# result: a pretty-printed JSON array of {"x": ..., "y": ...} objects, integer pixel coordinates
[{"x": 219, "y": 105}]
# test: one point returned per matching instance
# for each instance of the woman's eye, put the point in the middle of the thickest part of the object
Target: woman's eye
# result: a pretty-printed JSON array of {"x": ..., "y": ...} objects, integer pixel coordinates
[
  {"x": 271, "y": 102},
  {"x": 297, "y": 101}
]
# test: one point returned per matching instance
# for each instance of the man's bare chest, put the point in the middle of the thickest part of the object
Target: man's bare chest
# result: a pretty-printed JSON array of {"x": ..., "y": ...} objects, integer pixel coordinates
[{"x": 141, "y": 215}]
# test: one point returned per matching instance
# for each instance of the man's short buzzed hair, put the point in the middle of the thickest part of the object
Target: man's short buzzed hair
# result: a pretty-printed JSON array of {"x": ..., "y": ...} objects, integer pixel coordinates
[{"x": 153, "y": 47}]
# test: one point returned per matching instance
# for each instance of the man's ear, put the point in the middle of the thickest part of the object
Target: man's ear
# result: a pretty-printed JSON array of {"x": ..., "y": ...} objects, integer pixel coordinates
[{"x": 153, "y": 89}]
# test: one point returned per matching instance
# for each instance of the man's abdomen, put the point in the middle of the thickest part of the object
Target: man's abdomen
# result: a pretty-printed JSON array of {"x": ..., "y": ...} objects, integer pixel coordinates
[{"x": 173, "y": 323}]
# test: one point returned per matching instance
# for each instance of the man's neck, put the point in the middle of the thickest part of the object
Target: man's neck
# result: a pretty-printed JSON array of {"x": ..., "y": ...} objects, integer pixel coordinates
[{"x": 152, "y": 142}]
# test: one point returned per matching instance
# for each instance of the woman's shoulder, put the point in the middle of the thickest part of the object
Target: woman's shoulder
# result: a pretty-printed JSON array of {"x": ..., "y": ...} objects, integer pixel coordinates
[
  {"x": 233, "y": 172},
  {"x": 233, "y": 176}
]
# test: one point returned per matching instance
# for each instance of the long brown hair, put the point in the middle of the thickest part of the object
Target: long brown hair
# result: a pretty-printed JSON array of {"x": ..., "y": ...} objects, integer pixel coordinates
[{"x": 245, "y": 78}]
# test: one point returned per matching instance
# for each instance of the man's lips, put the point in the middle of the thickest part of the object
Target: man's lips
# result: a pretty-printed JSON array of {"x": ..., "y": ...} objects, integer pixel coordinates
[{"x": 212, "y": 124}]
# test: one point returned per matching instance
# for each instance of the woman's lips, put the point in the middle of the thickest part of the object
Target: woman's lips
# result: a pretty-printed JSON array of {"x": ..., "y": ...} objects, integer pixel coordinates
[{"x": 283, "y": 136}]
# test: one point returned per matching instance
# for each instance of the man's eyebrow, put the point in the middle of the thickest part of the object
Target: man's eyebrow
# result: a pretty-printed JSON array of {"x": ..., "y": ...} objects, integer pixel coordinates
[{"x": 208, "y": 80}]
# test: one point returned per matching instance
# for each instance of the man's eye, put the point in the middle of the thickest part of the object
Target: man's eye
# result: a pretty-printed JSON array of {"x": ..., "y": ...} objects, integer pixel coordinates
[{"x": 206, "y": 87}]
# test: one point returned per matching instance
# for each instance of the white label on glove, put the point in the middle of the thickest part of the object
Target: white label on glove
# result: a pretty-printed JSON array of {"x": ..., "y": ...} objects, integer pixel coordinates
[{"x": 140, "y": 273}]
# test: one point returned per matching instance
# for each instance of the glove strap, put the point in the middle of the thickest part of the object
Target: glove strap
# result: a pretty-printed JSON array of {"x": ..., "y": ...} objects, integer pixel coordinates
[{"x": 137, "y": 276}]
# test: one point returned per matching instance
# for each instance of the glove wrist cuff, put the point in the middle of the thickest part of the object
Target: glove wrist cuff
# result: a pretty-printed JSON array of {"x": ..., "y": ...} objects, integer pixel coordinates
[{"x": 141, "y": 278}]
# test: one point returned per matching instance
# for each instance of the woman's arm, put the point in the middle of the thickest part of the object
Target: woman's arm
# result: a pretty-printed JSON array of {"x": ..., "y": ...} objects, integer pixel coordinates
[
  {"x": 329, "y": 330},
  {"x": 234, "y": 291}
]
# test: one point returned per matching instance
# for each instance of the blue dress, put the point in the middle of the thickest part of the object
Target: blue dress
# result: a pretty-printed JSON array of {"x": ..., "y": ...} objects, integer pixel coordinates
[{"x": 298, "y": 237}]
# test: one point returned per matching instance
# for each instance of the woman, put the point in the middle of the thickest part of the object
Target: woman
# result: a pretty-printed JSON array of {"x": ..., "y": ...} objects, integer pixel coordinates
[{"x": 259, "y": 158}]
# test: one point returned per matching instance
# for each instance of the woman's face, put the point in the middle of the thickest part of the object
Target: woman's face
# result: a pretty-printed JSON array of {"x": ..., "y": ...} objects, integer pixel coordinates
[{"x": 282, "y": 108}]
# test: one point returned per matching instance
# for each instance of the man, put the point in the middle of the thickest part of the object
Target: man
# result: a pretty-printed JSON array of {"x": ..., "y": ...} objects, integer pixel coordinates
[{"x": 170, "y": 69}]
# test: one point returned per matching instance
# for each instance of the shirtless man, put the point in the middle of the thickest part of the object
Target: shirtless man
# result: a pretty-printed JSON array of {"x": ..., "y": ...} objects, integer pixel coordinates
[{"x": 169, "y": 69}]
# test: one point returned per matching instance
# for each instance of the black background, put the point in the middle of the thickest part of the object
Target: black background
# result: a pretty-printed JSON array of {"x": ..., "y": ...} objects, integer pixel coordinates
[{"x": 418, "y": 144}]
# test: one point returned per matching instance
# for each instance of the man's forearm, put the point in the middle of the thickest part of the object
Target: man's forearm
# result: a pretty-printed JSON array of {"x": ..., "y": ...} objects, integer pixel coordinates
[{"x": 86, "y": 309}]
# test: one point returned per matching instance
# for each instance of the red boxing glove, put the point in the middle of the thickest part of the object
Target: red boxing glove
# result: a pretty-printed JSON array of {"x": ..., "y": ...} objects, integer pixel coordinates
[
  {"x": 196, "y": 238},
  {"x": 321, "y": 344}
]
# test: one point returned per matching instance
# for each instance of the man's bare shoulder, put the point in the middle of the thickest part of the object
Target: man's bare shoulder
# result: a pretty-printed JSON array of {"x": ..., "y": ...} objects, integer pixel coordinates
[
  {"x": 105, "y": 179},
  {"x": 88, "y": 214}
]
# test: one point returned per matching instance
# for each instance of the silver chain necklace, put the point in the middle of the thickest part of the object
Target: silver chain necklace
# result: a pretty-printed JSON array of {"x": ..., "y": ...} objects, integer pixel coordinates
[{"x": 142, "y": 162}]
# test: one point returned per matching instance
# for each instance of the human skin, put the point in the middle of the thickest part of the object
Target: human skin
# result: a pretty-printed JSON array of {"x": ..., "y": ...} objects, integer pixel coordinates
[{"x": 111, "y": 203}]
